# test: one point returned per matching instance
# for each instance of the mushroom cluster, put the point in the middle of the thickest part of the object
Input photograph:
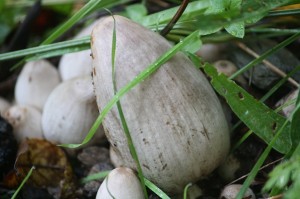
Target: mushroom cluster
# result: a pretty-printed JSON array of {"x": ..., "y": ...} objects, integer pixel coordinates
[
  {"x": 175, "y": 119},
  {"x": 46, "y": 107}
]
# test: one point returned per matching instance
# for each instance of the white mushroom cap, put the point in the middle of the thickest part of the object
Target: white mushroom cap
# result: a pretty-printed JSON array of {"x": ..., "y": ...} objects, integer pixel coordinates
[
  {"x": 26, "y": 122},
  {"x": 286, "y": 111},
  {"x": 78, "y": 63},
  {"x": 120, "y": 183},
  {"x": 70, "y": 112},
  {"x": 231, "y": 191},
  {"x": 35, "y": 83},
  {"x": 227, "y": 170},
  {"x": 4, "y": 105},
  {"x": 229, "y": 68},
  {"x": 211, "y": 52}
]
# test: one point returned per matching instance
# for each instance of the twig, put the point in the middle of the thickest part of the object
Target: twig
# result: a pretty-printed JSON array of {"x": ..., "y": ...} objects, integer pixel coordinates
[
  {"x": 265, "y": 166},
  {"x": 276, "y": 197},
  {"x": 267, "y": 63},
  {"x": 175, "y": 18}
]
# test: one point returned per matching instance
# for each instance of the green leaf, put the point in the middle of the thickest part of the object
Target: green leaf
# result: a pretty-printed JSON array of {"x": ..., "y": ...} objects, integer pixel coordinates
[
  {"x": 193, "y": 46},
  {"x": 263, "y": 121},
  {"x": 236, "y": 29},
  {"x": 136, "y": 11}
]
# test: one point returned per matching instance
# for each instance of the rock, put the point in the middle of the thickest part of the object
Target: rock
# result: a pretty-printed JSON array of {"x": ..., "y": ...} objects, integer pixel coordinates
[{"x": 262, "y": 76}]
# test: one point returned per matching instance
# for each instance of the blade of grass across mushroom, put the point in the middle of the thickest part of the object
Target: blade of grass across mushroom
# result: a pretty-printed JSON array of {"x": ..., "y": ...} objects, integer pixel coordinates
[
  {"x": 143, "y": 75},
  {"x": 156, "y": 190},
  {"x": 121, "y": 114},
  {"x": 262, "y": 120},
  {"x": 55, "y": 48}
]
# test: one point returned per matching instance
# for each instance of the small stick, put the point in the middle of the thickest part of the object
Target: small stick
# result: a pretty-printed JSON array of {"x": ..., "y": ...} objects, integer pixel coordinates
[
  {"x": 175, "y": 18},
  {"x": 263, "y": 167},
  {"x": 276, "y": 197},
  {"x": 267, "y": 63}
]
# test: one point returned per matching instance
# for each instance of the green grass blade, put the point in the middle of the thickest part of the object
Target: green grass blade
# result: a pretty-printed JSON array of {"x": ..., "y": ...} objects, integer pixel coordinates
[
  {"x": 84, "y": 41},
  {"x": 266, "y": 54},
  {"x": 58, "y": 52},
  {"x": 122, "y": 117},
  {"x": 75, "y": 18},
  {"x": 295, "y": 126},
  {"x": 260, "y": 162},
  {"x": 96, "y": 176},
  {"x": 156, "y": 190},
  {"x": 186, "y": 189},
  {"x": 23, "y": 182},
  {"x": 143, "y": 75},
  {"x": 262, "y": 120}
]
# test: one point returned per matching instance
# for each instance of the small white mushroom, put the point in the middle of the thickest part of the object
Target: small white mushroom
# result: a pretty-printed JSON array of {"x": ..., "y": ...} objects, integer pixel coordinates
[
  {"x": 26, "y": 122},
  {"x": 229, "y": 68},
  {"x": 286, "y": 111},
  {"x": 4, "y": 105},
  {"x": 35, "y": 83},
  {"x": 231, "y": 191},
  {"x": 78, "y": 63},
  {"x": 211, "y": 52},
  {"x": 227, "y": 170},
  {"x": 120, "y": 183},
  {"x": 70, "y": 112}
]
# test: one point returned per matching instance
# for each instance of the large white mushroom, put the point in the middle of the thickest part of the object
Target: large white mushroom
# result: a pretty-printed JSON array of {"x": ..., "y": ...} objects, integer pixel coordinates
[
  {"x": 70, "y": 112},
  {"x": 175, "y": 119},
  {"x": 35, "y": 82}
]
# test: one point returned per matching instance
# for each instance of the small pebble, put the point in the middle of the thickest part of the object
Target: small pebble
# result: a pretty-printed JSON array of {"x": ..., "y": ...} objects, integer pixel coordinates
[
  {"x": 261, "y": 76},
  {"x": 90, "y": 189},
  {"x": 93, "y": 155}
]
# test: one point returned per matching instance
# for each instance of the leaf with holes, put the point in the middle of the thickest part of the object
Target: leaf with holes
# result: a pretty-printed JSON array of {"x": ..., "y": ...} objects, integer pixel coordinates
[
  {"x": 263, "y": 121},
  {"x": 51, "y": 166}
]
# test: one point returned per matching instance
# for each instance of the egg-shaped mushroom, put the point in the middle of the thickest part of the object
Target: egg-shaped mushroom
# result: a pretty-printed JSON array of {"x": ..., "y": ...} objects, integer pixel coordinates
[
  {"x": 35, "y": 82},
  {"x": 70, "y": 111},
  {"x": 175, "y": 119},
  {"x": 26, "y": 122},
  {"x": 120, "y": 183}
]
